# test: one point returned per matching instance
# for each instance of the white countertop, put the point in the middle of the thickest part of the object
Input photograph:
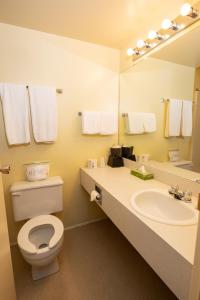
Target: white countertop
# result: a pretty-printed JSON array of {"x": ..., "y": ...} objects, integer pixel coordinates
[{"x": 121, "y": 184}]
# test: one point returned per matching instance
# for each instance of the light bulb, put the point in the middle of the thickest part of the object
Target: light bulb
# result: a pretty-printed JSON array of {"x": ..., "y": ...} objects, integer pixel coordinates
[
  {"x": 188, "y": 10},
  {"x": 166, "y": 24},
  {"x": 130, "y": 52},
  {"x": 185, "y": 9},
  {"x": 140, "y": 43},
  {"x": 152, "y": 35}
]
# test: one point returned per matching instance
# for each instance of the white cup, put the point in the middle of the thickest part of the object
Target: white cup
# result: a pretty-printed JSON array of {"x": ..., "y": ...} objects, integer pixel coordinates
[
  {"x": 92, "y": 163},
  {"x": 174, "y": 155}
]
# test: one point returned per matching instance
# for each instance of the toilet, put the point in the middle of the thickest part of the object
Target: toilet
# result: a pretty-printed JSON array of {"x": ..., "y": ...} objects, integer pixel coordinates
[{"x": 40, "y": 239}]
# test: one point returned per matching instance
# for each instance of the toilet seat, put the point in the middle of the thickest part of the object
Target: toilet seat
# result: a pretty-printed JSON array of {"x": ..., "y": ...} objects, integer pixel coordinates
[{"x": 23, "y": 236}]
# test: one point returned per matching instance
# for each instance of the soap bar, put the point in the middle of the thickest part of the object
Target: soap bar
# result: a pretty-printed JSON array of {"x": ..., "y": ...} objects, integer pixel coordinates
[{"x": 140, "y": 175}]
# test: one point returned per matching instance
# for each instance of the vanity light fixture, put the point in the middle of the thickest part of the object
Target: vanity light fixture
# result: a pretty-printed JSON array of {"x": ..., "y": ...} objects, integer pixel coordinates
[
  {"x": 188, "y": 10},
  {"x": 144, "y": 46},
  {"x": 168, "y": 24}
]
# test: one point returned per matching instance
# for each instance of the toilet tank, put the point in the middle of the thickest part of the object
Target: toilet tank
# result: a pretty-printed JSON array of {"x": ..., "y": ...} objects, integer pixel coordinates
[{"x": 31, "y": 199}]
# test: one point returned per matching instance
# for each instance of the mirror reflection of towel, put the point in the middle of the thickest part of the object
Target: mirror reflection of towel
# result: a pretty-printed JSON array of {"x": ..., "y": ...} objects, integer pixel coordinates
[
  {"x": 134, "y": 123},
  {"x": 173, "y": 118},
  {"x": 149, "y": 120}
]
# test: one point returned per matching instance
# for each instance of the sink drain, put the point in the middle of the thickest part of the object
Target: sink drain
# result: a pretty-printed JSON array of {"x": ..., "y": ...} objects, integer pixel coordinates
[{"x": 43, "y": 245}]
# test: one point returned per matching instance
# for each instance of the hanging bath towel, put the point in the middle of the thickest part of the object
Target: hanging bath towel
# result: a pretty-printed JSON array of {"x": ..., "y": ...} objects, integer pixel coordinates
[
  {"x": 15, "y": 106},
  {"x": 43, "y": 113}
]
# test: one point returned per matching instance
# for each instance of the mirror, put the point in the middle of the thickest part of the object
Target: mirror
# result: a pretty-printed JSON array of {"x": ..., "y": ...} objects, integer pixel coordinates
[{"x": 172, "y": 72}]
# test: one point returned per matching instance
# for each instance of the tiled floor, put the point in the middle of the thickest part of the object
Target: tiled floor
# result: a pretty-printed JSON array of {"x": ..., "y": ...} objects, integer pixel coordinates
[{"x": 96, "y": 263}]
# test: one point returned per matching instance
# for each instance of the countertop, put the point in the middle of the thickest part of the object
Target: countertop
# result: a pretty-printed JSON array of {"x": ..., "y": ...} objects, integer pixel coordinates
[{"x": 121, "y": 184}]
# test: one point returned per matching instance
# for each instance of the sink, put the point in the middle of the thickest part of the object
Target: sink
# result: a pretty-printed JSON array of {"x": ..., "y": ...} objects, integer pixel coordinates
[{"x": 158, "y": 205}]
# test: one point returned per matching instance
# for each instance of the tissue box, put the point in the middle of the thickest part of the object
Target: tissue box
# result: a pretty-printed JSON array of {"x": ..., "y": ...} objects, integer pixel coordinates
[{"x": 142, "y": 176}]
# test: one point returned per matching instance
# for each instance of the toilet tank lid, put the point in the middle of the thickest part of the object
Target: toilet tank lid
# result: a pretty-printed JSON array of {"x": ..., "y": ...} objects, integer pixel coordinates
[{"x": 27, "y": 185}]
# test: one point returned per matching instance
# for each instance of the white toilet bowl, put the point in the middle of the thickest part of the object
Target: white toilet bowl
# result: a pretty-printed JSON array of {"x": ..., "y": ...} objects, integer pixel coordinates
[{"x": 40, "y": 240}]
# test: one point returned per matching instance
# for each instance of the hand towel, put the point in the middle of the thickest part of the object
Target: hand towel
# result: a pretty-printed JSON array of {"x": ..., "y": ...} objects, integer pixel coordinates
[
  {"x": 149, "y": 121},
  {"x": 108, "y": 123},
  {"x": 43, "y": 113},
  {"x": 15, "y": 105},
  {"x": 134, "y": 123},
  {"x": 173, "y": 118},
  {"x": 91, "y": 122},
  {"x": 186, "y": 125}
]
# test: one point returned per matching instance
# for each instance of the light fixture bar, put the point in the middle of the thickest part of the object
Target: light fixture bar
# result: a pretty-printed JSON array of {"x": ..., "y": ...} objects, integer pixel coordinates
[{"x": 171, "y": 26}]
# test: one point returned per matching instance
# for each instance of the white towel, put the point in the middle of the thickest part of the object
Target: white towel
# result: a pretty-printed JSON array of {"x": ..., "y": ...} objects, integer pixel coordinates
[
  {"x": 91, "y": 122},
  {"x": 108, "y": 123},
  {"x": 43, "y": 113},
  {"x": 173, "y": 118},
  {"x": 149, "y": 121},
  {"x": 134, "y": 123},
  {"x": 16, "y": 113},
  {"x": 186, "y": 125}
]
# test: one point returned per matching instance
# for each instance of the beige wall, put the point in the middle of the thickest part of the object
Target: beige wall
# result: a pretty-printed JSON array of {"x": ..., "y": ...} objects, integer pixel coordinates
[
  {"x": 141, "y": 89},
  {"x": 88, "y": 75}
]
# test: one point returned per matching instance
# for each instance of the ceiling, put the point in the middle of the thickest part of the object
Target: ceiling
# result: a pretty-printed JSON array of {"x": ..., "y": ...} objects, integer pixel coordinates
[
  {"x": 185, "y": 50},
  {"x": 112, "y": 23}
]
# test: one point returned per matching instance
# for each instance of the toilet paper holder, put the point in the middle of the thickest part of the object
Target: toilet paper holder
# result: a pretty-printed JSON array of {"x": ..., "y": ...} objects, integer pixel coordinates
[{"x": 98, "y": 197}]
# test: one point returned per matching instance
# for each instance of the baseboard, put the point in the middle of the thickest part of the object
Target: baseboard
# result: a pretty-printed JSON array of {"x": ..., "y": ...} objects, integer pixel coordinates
[
  {"x": 72, "y": 227},
  {"x": 85, "y": 223}
]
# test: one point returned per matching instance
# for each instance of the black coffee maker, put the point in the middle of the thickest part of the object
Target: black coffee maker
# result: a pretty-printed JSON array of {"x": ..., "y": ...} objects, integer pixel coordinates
[
  {"x": 127, "y": 152},
  {"x": 115, "y": 159}
]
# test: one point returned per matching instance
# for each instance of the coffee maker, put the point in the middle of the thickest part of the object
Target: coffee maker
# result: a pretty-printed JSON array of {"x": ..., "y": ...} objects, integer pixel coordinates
[
  {"x": 115, "y": 159},
  {"x": 127, "y": 152}
]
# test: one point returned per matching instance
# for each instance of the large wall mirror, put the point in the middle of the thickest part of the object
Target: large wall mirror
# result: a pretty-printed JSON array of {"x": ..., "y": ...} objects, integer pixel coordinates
[{"x": 150, "y": 88}]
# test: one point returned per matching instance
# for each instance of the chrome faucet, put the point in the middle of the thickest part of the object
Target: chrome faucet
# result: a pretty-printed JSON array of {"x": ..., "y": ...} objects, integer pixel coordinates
[{"x": 179, "y": 195}]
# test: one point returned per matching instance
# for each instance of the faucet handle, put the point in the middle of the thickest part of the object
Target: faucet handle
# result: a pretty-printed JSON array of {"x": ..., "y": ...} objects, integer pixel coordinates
[
  {"x": 187, "y": 196},
  {"x": 174, "y": 189}
]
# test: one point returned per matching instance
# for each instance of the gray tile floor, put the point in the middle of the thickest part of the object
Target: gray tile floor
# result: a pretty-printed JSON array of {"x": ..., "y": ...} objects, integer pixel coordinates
[{"x": 96, "y": 263}]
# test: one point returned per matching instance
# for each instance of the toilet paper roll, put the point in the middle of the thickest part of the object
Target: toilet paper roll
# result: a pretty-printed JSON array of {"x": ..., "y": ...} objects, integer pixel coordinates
[{"x": 94, "y": 195}]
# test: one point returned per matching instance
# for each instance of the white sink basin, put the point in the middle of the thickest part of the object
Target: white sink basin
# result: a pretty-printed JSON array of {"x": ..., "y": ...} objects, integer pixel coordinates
[{"x": 159, "y": 206}]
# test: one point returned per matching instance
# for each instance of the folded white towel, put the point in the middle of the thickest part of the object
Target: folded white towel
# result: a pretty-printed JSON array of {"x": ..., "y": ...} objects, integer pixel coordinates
[
  {"x": 173, "y": 120},
  {"x": 186, "y": 126},
  {"x": 108, "y": 123},
  {"x": 44, "y": 113},
  {"x": 149, "y": 121},
  {"x": 134, "y": 123},
  {"x": 16, "y": 113},
  {"x": 91, "y": 122}
]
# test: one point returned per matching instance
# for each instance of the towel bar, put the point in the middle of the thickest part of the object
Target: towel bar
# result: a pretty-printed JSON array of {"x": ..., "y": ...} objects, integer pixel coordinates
[
  {"x": 167, "y": 100},
  {"x": 124, "y": 115},
  {"x": 58, "y": 91}
]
